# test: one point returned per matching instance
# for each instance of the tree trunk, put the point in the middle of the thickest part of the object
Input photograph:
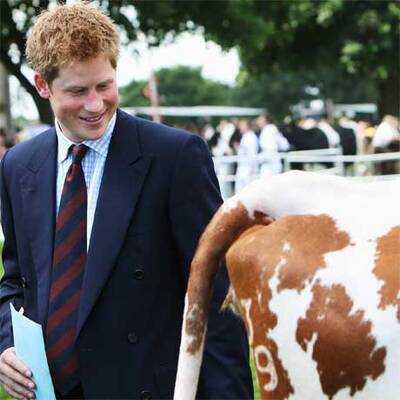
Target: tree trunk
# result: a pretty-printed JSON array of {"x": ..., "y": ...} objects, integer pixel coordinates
[
  {"x": 389, "y": 95},
  {"x": 43, "y": 106},
  {"x": 5, "y": 116}
]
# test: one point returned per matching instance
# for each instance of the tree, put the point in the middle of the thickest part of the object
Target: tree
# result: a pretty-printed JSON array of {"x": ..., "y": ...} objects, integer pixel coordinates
[
  {"x": 360, "y": 38},
  {"x": 178, "y": 86},
  {"x": 132, "y": 95},
  {"x": 184, "y": 86},
  {"x": 16, "y": 18},
  {"x": 278, "y": 91}
]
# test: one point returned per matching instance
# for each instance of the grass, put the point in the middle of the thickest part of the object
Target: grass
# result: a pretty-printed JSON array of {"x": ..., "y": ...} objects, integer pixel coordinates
[
  {"x": 257, "y": 395},
  {"x": 3, "y": 395}
]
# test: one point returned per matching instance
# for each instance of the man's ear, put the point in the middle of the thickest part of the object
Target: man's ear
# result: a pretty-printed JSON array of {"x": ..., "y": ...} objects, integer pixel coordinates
[{"x": 42, "y": 86}]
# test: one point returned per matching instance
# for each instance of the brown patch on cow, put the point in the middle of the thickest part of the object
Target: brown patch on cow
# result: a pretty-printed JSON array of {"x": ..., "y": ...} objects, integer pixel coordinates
[
  {"x": 344, "y": 347},
  {"x": 387, "y": 268},
  {"x": 310, "y": 238}
]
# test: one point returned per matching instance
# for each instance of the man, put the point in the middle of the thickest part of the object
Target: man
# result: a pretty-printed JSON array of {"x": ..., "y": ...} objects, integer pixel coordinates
[
  {"x": 271, "y": 142},
  {"x": 247, "y": 151},
  {"x": 101, "y": 217}
]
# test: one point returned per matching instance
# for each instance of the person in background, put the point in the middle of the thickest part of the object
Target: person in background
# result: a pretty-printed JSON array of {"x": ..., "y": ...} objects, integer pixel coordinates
[
  {"x": 247, "y": 151},
  {"x": 366, "y": 132},
  {"x": 387, "y": 135},
  {"x": 101, "y": 216},
  {"x": 225, "y": 170},
  {"x": 272, "y": 142},
  {"x": 385, "y": 140}
]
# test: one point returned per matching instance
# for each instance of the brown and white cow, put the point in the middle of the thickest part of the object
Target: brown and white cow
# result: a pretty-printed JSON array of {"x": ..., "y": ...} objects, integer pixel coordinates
[{"x": 314, "y": 264}]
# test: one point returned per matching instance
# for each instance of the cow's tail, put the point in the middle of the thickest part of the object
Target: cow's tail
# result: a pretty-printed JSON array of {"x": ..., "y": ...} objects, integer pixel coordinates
[{"x": 223, "y": 229}]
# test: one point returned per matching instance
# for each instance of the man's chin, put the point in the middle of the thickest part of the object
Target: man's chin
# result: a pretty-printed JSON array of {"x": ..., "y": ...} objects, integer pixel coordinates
[{"x": 93, "y": 133}]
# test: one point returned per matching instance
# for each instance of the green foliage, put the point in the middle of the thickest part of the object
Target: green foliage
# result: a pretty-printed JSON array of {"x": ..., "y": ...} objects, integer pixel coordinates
[
  {"x": 3, "y": 395},
  {"x": 131, "y": 95},
  {"x": 178, "y": 86},
  {"x": 184, "y": 86}
]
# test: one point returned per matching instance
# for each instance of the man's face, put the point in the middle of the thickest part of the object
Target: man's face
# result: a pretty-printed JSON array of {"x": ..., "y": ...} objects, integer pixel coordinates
[
  {"x": 261, "y": 121},
  {"x": 84, "y": 97}
]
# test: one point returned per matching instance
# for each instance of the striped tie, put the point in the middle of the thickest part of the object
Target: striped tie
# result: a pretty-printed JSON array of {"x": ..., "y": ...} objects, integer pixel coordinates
[{"x": 69, "y": 261}]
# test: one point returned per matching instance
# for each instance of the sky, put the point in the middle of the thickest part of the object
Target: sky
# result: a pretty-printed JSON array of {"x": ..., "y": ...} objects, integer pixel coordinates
[{"x": 188, "y": 49}]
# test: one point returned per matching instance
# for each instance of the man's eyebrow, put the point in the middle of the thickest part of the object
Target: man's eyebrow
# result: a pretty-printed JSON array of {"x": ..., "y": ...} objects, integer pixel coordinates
[
  {"x": 78, "y": 87},
  {"x": 74, "y": 87},
  {"x": 110, "y": 80}
]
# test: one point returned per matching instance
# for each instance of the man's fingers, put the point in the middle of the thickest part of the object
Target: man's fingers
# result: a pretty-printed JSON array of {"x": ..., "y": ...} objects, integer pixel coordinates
[
  {"x": 8, "y": 372},
  {"x": 14, "y": 376},
  {"x": 12, "y": 393},
  {"x": 15, "y": 389},
  {"x": 10, "y": 358}
]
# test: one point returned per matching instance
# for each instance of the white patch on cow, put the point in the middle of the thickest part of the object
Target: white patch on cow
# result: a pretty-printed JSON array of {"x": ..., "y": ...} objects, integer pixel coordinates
[
  {"x": 189, "y": 364},
  {"x": 269, "y": 368},
  {"x": 246, "y": 304},
  {"x": 286, "y": 247},
  {"x": 232, "y": 302},
  {"x": 310, "y": 345},
  {"x": 230, "y": 204},
  {"x": 346, "y": 201}
]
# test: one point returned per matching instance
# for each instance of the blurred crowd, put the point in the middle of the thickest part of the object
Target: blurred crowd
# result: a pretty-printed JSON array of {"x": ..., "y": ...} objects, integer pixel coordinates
[
  {"x": 248, "y": 137},
  {"x": 260, "y": 136}
]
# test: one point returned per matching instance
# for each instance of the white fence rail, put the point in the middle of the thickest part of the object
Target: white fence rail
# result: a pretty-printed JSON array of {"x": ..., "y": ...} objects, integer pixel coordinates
[{"x": 330, "y": 161}]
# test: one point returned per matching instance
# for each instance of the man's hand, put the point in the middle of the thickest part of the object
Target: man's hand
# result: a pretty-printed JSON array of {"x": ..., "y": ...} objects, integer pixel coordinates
[{"x": 15, "y": 376}]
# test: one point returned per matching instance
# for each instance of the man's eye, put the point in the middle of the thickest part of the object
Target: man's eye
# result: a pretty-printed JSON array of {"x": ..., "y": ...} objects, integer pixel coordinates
[{"x": 77, "y": 91}]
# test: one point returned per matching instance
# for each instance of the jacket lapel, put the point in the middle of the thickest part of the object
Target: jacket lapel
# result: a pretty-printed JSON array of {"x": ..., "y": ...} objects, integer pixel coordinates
[
  {"x": 38, "y": 184},
  {"x": 124, "y": 173}
]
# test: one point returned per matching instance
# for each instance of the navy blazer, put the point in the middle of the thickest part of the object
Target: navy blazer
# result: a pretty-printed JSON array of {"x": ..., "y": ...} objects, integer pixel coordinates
[{"x": 158, "y": 192}]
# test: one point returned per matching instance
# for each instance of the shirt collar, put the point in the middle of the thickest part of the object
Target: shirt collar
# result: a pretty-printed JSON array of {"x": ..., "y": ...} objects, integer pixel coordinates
[{"x": 100, "y": 145}]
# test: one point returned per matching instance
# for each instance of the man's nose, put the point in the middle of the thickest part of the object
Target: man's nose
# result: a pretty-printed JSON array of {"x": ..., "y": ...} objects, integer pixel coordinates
[{"x": 94, "y": 103}]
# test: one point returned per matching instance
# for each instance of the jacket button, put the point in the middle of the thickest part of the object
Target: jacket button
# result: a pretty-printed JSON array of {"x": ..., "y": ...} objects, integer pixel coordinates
[
  {"x": 145, "y": 395},
  {"x": 138, "y": 274},
  {"x": 132, "y": 338},
  {"x": 24, "y": 284}
]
